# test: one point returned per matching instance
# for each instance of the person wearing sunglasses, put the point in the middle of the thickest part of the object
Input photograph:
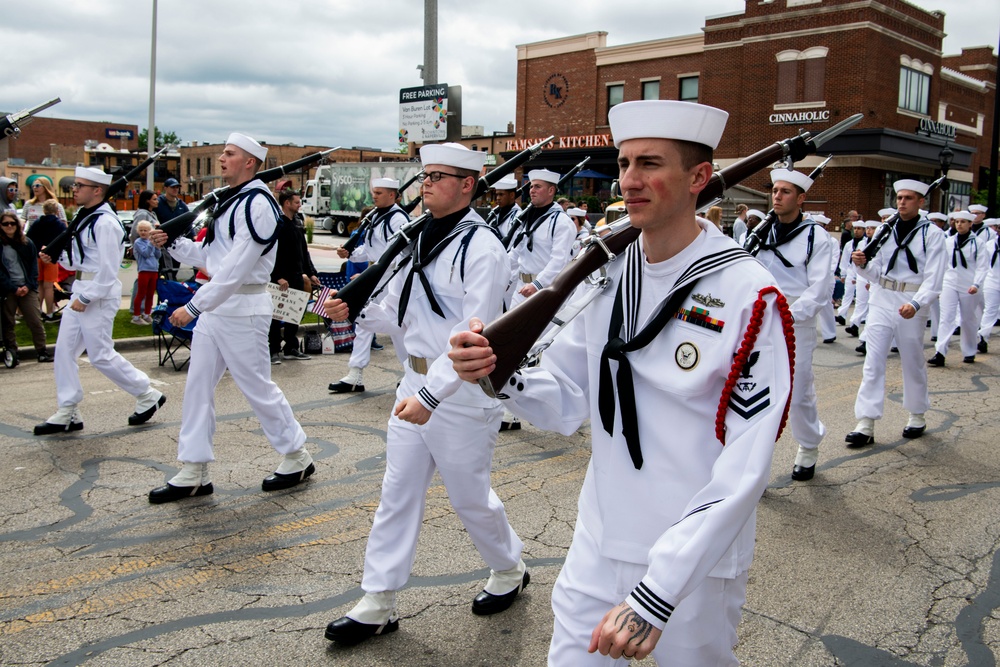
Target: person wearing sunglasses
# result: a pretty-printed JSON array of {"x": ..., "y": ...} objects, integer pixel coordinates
[
  {"x": 8, "y": 194},
  {"x": 19, "y": 285},
  {"x": 95, "y": 254}
]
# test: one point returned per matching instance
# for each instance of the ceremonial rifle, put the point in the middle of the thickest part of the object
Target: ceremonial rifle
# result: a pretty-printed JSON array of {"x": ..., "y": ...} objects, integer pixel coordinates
[
  {"x": 366, "y": 222},
  {"x": 11, "y": 124},
  {"x": 884, "y": 230},
  {"x": 756, "y": 237},
  {"x": 512, "y": 335},
  {"x": 64, "y": 239},
  {"x": 508, "y": 241},
  {"x": 357, "y": 292},
  {"x": 183, "y": 223}
]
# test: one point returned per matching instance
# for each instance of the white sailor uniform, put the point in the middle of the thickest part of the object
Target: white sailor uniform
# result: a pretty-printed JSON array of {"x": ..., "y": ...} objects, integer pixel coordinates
[
  {"x": 234, "y": 315},
  {"x": 905, "y": 270},
  {"x": 800, "y": 264},
  {"x": 466, "y": 278},
  {"x": 540, "y": 250},
  {"x": 849, "y": 275},
  {"x": 384, "y": 227},
  {"x": 967, "y": 261},
  {"x": 991, "y": 291},
  {"x": 826, "y": 318},
  {"x": 503, "y": 225},
  {"x": 96, "y": 252},
  {"x": 675, "y": 536}
]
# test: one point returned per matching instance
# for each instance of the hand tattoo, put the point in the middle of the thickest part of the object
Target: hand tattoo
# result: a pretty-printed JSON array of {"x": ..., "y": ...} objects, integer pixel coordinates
[{"x": 634, "y": 623}]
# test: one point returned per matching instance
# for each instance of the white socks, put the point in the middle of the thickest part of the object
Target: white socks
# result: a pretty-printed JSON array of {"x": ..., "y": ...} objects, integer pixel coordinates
[
  {"x": 506, "y": 580},
  {"x": 866, "y": 425},
  {"x": 916, "y": 421},
  {"x": 375, "y": 608},
  {"x": 806, "y": 458},
  {"x": 191, "y": 474},
  {"x": 294, "y": 462}
]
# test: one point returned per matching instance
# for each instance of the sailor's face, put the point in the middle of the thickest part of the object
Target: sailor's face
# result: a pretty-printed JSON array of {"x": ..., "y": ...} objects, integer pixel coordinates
[
  {"x": 542, "y": 193},
  {"x": 908, "y": 204},
  {"x": 655, "y": 185},
  {"x": 963, "y": 226},
  {"x": 383, "y": 197},
  {"x": 786, "y": 199},
  {"x": 505, "y": 197}
]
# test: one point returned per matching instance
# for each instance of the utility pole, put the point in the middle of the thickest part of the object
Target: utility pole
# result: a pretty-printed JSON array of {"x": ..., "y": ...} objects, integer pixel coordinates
[
  {"x": 430, "y": 68},
  {"x": 151, "y": 131}
]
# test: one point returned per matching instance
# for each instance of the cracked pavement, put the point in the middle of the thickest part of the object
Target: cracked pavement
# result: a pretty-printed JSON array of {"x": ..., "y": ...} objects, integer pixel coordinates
[{"x": 887, "y": 557}]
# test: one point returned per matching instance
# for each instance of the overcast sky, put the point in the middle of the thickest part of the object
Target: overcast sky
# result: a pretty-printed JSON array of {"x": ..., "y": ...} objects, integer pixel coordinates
[{"x": 322, "y": 71}]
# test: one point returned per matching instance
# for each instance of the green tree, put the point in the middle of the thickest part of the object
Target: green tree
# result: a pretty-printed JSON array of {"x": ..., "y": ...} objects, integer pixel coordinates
[{"x": 160, "y": 139}]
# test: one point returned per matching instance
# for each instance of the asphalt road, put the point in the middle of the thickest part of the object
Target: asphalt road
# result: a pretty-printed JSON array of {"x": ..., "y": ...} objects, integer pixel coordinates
[{"x": 888, "y": 557}]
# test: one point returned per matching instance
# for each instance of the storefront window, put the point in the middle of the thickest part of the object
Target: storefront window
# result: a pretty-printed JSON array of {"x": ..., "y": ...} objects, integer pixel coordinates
[{"x": 689, "y": 89}]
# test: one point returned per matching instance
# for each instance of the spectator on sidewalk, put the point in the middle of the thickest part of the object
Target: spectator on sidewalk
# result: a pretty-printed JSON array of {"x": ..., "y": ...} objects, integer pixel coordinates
[
  {"x": 19, "y": 285},
  {"x": 147, "y": 257}
]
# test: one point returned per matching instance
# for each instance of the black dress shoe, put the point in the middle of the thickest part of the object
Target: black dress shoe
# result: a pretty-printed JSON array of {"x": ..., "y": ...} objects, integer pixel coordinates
[
  {"x": 936, "y": 360},
  {"x": 969, "y": 360},
  {"x": 914, "y": 431},
  {"x": 377, "y": 346},
  {"x": 168, "y": 493},
  {"x": 344, "y": 388},
  {"x": 137, "y": 418},
  {"x": 859, "y": 439},
  {"x": 894, "y": 350},
  {"x": 44, "y": 358},
  {"x": 278, "y": 481},
  {"x": 933, "y": 339},
  {"x": 840, "y": 320},
  {"x": 48, "y": 428},
  {"x": 487, "y": 603},
  {"x": 510, "y": 426},
  {"x": 852, "y": 330},
  {"x": 982, "y": 346},
  {"x": 348, "y": 632},
  {"x": 829, "y": 340},
  {"x": 862, "y": 349},
  {"x": 803, "y": 474}
]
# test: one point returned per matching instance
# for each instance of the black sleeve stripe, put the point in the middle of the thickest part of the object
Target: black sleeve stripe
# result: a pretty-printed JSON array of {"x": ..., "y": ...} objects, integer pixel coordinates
[
  {"x": 652, "y": 603},
  {"x": 429, "y": 398}
]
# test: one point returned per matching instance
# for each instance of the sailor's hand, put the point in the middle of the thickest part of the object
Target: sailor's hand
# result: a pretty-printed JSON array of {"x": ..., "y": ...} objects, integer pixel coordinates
[
  {"x": 907, "y": 311},
  {"x": 623, "y": 633},
  {"x": 45, "y": 258},
  {"x": 413, "y": 411},
  {"x": 335, "y": 309},
  {"x": 858, "y": 257},
  {"x": 181, "y": 317},
  {"x": 973, "y": 289},
  {"x": 527, "y": 290},
  {"x": 158, "y": 237},
  {"x": 77, "y": 305},
  {"x": 341, "y": 253},
  {"x": 471, "y": 355}
]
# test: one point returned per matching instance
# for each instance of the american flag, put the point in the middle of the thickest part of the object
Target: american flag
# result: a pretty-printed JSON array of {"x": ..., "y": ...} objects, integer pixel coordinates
[{"x": 321, "y": 297}]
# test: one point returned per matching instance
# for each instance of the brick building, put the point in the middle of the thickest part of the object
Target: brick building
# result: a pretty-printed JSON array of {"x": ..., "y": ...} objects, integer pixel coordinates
[
  {"x": 199, "y": 164},
  {"x": 777, "y": 67}
]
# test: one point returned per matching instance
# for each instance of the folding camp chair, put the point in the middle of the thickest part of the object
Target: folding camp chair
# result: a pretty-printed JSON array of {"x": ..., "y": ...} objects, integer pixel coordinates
[{"x": 171, "y": 339}]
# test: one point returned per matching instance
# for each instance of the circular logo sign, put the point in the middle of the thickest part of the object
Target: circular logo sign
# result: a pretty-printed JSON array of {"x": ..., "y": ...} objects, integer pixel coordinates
[{"x": 556, "y": 90}]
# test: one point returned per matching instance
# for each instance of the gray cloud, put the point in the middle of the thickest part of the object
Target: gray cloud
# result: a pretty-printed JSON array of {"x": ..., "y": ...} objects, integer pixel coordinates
[{"x": 322, "y": 71}]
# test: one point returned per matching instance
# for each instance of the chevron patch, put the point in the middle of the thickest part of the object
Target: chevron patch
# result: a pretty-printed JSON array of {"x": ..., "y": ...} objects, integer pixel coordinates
[{"x": 752, "y": 391}]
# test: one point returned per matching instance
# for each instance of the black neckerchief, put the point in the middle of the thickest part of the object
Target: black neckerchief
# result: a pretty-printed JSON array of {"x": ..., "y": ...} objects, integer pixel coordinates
[
  {"x": 904, "y": 233},
  {"x": 961, "y": 240},
  {"x": 225, "y": 200},
  {"x": 428, "y": 245},
  {"x": 855, "y": 242},
  {"x": 382, "y": 216},
  {"x": 782, "y": 233},
  {"x": 81, "y": 221},
  {"x": 501, "y": 213}
]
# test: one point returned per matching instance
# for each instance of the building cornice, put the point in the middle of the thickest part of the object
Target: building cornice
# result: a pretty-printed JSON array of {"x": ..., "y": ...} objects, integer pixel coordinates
[
  {"x": 556, "y": 47},
  {"x": 657, "y": 48},
  {"x": 861, "y": 25},
  {"x": 963, "y": 79}
]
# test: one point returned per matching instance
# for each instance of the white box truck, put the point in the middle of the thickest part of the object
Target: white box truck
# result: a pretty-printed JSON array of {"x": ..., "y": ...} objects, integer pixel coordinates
[{"x": 340, "y": 190}]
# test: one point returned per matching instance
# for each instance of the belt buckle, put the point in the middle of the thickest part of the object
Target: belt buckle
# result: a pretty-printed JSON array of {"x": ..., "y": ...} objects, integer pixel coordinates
[{"x": 892, "y": 283}]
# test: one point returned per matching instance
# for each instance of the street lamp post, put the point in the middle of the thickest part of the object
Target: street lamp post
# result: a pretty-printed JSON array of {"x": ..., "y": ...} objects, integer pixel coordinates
[{"x": 945, "y": 158}]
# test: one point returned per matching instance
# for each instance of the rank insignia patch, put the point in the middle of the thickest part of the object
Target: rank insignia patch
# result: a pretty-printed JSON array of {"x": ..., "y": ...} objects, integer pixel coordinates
[
  {"x": 708, "y": 300},
  {"x": 699, "y": 317},
  {"x": 686, "y": 356},
  {"x": 752, "y": 391}
]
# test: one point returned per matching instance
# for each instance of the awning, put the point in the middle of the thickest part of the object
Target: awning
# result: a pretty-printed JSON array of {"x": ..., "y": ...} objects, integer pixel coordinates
[{"x": 590, "y": 173}]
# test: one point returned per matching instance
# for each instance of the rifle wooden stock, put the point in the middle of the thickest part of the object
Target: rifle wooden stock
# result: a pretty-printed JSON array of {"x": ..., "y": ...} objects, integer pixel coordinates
[{"x": 512, "y": 335}]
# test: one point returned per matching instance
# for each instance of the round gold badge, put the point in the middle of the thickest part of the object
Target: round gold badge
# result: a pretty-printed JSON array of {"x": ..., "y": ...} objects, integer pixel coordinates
[{"x": 686, "y": 356}]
